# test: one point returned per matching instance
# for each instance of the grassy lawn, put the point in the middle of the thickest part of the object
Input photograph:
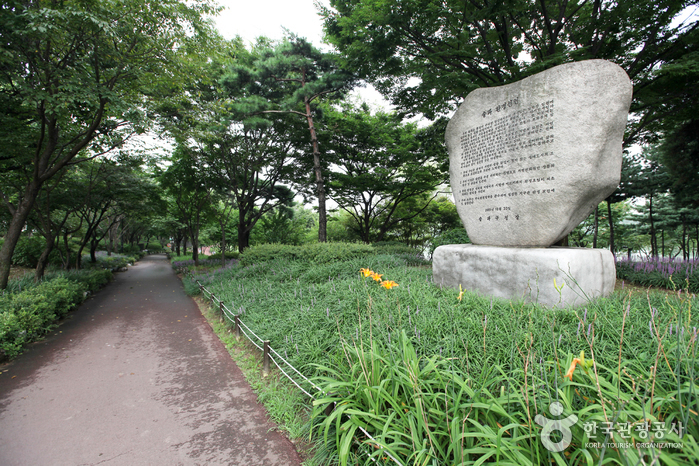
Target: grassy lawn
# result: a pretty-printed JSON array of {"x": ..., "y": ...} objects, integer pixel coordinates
[{"x": 421, "y": 375}]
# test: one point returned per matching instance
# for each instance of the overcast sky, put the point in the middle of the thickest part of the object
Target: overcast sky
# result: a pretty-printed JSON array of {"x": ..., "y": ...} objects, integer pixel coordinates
[{"x": 253, "y": 18}]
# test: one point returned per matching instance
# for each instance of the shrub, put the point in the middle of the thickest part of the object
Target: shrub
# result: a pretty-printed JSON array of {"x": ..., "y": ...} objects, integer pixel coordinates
[
  {"x": 661, "y": 272},
  {"x": 455, "y": 236},
  {"x": 229, "y": 255},
  {"x": 91, "y": 280},
  {"x": 113, "y": 262},
  {"x": 318, "y": 253},
  {"x": 393, "y": 247},
  {"x": 28, "y": 251},
  {"x": 32, "y": 313},
  {"x": 31, "y": 310}
]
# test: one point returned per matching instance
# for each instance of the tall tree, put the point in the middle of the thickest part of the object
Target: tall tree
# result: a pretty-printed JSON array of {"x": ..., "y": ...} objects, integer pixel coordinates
[
  {"x": 379, "y": 163},
  {"x": 679, "y": 152},
  {"x": 188, "y": 182},
  {"x": 248, "y": 166},
  {"x": 77, "y": 76},
  {"x": 292, "y": 78}
]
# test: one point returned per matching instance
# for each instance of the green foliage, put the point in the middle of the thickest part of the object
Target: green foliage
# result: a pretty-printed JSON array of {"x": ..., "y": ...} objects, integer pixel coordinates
[
  {"x": 318, "y": 253},
  {"x": 229, "y": 255},
  {"x": 680, "y": 153},
  {"x": 31, "y": 313},
  {"x": 113, "y": 262},
  {"x": 453, "y": 48},
  {"x": 455, "y": 236},
  {"x": 670, "y": 274},
  {"x": 411, "y": 255},
  {"x": 79, "y": 91},
  {"x": 380, "y": 165},
  {"x": 28, "y": 250}
]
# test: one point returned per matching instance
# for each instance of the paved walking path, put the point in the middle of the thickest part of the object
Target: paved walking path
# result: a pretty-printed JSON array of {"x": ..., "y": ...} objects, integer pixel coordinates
[{"x": 134, "y": 377}]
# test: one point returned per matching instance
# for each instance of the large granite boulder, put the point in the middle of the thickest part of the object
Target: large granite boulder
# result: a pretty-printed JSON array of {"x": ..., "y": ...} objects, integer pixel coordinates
[{"x": 530, "y": 160}]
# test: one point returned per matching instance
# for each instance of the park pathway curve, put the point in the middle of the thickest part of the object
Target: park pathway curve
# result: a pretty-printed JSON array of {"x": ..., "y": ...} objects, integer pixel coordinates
[{"x": 135, "y": 376}]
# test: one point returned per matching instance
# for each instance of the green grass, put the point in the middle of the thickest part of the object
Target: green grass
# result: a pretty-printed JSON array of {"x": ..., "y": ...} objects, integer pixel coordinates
[{"x": 438, "y": 380}]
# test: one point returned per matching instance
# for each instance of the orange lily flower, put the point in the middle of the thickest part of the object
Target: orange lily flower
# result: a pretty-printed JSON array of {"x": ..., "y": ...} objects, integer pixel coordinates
[
  {"x": 366, "y": 272},
  {"x": 388, "y": 284},
  {"x": 586, "y": 364},
  {"x": 571, "y": 369},
  {"x": 376, "y": 276}
]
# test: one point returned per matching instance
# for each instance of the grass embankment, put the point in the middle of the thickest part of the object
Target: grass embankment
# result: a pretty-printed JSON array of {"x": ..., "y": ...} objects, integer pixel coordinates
[{"x": 422, "y": 375}]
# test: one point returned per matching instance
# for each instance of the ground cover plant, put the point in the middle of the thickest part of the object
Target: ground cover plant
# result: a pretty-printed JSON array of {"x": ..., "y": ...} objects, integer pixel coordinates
[
  {"x": 664, "y": 272},
  {"x": 423, "y": 375},
  {"x": 29, "y": 310}
]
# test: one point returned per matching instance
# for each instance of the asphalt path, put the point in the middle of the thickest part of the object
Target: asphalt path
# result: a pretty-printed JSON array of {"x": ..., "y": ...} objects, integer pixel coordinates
[{"x": 134, "y": 376}]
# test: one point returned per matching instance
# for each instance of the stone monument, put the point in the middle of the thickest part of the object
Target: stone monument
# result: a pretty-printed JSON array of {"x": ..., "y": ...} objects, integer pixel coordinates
[{"x": 528, "y": 162}]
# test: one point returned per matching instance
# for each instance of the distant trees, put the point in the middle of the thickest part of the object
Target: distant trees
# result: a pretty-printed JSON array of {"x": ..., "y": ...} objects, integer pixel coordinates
[{"x": 76, "y": 78}]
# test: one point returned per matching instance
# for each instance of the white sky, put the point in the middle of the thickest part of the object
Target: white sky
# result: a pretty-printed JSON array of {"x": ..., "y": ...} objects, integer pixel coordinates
[{"x": 253, "y": 18}]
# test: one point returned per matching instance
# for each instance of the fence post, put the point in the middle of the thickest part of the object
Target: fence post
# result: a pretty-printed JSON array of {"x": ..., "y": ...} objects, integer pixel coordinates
[
  {"x": 265, "y": 358},
  {"x": 220, "y": 308},
  {"x": 237, "y": 327}
]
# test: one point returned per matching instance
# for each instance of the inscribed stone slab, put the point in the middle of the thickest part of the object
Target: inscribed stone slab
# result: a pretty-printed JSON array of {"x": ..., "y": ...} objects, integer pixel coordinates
[{"x": 530, "y": 160}]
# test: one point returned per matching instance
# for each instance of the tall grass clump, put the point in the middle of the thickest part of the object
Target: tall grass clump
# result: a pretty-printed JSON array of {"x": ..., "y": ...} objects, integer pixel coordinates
[{"x": 412, "y": 373}]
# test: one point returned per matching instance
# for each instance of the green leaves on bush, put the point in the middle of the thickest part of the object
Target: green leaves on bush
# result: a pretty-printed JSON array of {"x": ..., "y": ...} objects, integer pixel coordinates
[
  {"x": 229, "y": 255},
  {"x": 28, "y": 251},
  {"x": 455, "y": 236},
  {"x": 318, "y": 253},
  {"x": 31, "y": 313}
]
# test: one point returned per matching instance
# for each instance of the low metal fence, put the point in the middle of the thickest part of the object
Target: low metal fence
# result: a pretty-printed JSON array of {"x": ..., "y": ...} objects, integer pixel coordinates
[{"x": 268, "y": 353}]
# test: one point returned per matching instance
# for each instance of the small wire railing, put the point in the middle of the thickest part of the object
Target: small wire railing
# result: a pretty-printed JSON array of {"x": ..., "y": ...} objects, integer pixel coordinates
[{"x": 240, "y": 327}]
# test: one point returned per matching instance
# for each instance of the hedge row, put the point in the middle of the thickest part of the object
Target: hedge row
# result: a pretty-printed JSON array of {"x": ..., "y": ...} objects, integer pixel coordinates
[
  {"x": 319, "y": 253},
  {"x": 28, "y": 315}
]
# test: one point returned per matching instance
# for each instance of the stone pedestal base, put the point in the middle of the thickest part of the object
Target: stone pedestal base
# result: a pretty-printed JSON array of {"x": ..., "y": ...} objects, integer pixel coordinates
[{"x": 527, "y": 273}]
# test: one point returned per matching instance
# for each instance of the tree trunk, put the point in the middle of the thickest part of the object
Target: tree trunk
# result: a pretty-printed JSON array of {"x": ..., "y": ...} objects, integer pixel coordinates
[
  {"x": 596, "y": 229},
  {"x": 223, "y": 243},
  {"x": 243, "y": 232},
  {"x": 653, "y": 235},
  {"x": 611, "y": 228},
  {"x": 320, "y": 183},
  {"x": 93, "y": 251},
  {"x": 194, "y": 236},
  {"x": 66, "y": 263},
  {"x": 19, "y": 219},
  {"x": 662, "y": 242},
  {"x": 44, "y": 258}
]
